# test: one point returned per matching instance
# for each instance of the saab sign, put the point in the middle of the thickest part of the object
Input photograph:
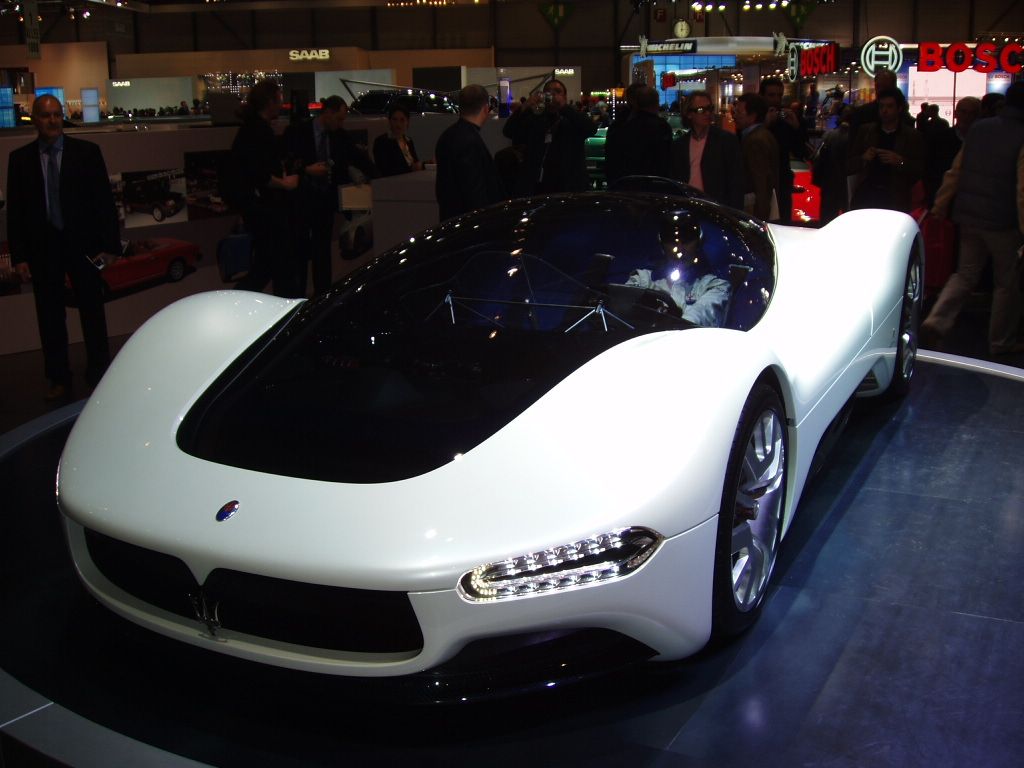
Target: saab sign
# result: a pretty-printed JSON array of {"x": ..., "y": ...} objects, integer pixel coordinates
[
  {"x": 959, "y": 57},
  {"x": 811, "y": 62},
  {"x": 310, "y": 54}
]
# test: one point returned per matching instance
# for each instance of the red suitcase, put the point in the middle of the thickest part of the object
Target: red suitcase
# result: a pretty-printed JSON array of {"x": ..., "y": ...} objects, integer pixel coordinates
[{"x": 939, "y": 250}]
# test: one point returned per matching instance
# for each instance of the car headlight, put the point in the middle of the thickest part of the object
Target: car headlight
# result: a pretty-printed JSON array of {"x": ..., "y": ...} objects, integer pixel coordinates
[{"x": 597, "y": 558}]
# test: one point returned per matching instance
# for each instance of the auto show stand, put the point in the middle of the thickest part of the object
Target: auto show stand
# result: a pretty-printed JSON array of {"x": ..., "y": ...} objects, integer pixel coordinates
[{"x": 889, "y": 637}]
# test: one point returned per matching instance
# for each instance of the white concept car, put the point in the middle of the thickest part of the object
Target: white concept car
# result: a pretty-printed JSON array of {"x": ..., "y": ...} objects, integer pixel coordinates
[{"x": 585, "y": 417}]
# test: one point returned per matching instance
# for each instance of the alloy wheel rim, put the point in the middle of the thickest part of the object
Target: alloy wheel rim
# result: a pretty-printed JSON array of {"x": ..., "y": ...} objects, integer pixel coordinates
[
  {"x": 909, "y": 320},
  {"x": 758, "y": 511}
]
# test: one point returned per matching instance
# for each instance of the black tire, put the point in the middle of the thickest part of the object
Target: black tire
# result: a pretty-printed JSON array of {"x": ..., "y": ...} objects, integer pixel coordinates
[
  {"x": 910, "y": 322},
  {"x": 750, "y": 519},
  {"x": 175, "y": 270},
  {"x": 158, "y": 213}
]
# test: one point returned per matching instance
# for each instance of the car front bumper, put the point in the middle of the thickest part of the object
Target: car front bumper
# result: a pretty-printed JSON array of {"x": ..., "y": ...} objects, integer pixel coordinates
[{"x": 665, "y": 605}]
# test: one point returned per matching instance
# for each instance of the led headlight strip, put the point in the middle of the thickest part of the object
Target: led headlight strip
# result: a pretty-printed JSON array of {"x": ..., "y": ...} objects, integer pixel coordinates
[{"x": 597, "y": 558}]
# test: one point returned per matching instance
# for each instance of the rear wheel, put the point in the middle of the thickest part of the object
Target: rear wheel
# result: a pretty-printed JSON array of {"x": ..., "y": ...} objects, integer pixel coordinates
[
  {"x": 910, "y": 320},
  {"x": 750, "y": 520},
  {"x": 176, "y": 270},
  {"x": 158, "y": 213}
]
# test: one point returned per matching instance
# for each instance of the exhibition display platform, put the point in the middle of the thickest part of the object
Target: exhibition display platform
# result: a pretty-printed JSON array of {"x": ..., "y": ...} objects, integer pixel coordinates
[{"x": 889, "y": 638}]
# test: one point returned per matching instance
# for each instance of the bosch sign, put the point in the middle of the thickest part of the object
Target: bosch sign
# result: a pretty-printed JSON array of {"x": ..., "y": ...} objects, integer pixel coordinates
[
  {"x": 811, "y": 61},
  {"x": 820, "y": 60},
  {"x": 959, "y": 57}
]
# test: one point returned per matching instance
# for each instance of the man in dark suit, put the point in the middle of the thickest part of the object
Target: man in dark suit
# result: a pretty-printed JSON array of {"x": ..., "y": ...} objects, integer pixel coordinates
[
  {"x": 708, "y": 158},
  {"x": 760, "y": 157},
  {"x": 61, "y": 220},
  {"x": 322, "y": 152},
  {"x": 466, "y": 176},
  {"x": 790, "y": 136},
  {"x": 642, "y": 146}
]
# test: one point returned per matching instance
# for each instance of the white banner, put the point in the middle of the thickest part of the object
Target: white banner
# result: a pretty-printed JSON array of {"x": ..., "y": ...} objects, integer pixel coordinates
[{"x": 30, "y": 8}]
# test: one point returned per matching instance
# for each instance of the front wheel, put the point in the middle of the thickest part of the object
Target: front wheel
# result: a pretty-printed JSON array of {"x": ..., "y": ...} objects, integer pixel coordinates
[
  {"x": 158, "y": 213},
  {"x": 750, "y": 520},
  {"x": 910, "y": 320}
]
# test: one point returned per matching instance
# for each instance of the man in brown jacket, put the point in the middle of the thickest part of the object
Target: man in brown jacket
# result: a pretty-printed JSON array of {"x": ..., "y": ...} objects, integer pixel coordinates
[
  {"x": 887, "y": 157},
  {"x": 760, "y": 157}
]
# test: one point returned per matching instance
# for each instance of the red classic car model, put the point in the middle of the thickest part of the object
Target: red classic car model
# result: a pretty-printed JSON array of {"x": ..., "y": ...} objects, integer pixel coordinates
[{"x": 143, "y": 261}]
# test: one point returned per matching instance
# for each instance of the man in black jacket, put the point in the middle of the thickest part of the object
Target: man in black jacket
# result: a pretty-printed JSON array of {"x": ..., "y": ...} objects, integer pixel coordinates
[
  {"x": 709, "y": 158},
  {"x": 642, "y": 146},
  {"x": 554, "y": 133},
  {"x": 61, "y": 220},
  {"x": 323, "y": 151},
  {"x": 466, "y": 176},
  {"x": 261, "y": 188},
  {"x": 791, "y": 138}
]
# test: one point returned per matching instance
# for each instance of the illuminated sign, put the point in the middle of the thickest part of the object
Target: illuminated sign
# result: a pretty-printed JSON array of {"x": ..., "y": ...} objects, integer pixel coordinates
[
  {"x": 310, "y": 54},
  {"x": 121, "y": 83},
  {"x": 565, "y": 72},
  {"x": 820, "y": 60},
  {"x": 811, "y": 61},
  {"x": 959, "y": 57},
  {"x": 881, "y": 53},
  {"x": 677, "y": 46}
]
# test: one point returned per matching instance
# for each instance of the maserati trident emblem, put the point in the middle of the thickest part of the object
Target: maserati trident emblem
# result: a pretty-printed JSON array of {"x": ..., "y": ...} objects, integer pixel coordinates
[
  {"x": 208, "y": 613},
  {"x": 227, "y": 511}
]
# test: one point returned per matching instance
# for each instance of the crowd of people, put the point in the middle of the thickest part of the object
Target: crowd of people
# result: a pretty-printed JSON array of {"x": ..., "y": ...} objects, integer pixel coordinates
[{"x": 286, "y": 187}]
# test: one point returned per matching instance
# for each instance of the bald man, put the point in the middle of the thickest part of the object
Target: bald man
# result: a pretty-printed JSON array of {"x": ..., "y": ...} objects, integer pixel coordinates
[{"x": 61, "y": 217}]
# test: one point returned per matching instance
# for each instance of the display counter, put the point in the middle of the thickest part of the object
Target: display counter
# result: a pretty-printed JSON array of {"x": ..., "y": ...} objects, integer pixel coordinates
[{"x": 402, "y": 206}]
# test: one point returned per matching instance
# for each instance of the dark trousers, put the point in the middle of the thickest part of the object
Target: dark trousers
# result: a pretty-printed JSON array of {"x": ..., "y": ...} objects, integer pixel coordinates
[
  {"x": 274, "y": 256},
  {"x": 785, "y": 196},
  {"x": 315, "y": 223},
  {"x": 48, "y": 286}
]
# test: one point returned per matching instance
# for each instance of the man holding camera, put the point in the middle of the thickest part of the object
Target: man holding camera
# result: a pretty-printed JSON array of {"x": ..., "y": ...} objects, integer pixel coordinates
[
  {"x": 790, "y": 135},
  {"x": 555, "y": 134}
]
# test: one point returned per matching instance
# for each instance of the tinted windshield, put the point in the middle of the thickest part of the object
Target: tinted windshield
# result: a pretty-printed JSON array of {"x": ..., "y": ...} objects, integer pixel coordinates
[{"x": 431, "y": 349}]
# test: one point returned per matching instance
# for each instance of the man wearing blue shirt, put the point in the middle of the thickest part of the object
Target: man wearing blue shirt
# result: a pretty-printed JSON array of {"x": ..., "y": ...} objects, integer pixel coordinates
[{"x": 61, "y": 218}]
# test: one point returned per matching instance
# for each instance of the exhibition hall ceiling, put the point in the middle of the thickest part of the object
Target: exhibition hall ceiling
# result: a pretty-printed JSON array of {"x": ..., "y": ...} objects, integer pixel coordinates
[{"x": 194, "y": 5}]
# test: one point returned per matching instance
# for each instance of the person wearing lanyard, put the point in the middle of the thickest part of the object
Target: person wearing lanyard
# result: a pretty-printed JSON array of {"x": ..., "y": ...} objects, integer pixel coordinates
[{"x": 62, "y": 220}]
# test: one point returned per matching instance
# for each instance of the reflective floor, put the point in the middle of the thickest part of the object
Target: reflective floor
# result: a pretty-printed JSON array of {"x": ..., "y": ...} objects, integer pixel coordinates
[{"x": 891, "y": 637}]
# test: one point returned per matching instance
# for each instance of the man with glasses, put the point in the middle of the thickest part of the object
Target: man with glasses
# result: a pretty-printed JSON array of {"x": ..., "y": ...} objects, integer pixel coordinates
[
  {"x": 707, "y": 157},
  {"x": 554, "y": 133}
]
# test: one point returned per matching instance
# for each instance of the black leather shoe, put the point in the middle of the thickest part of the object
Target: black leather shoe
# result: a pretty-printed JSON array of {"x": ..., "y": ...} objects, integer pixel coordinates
[{"x": 57, "y": 392}]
